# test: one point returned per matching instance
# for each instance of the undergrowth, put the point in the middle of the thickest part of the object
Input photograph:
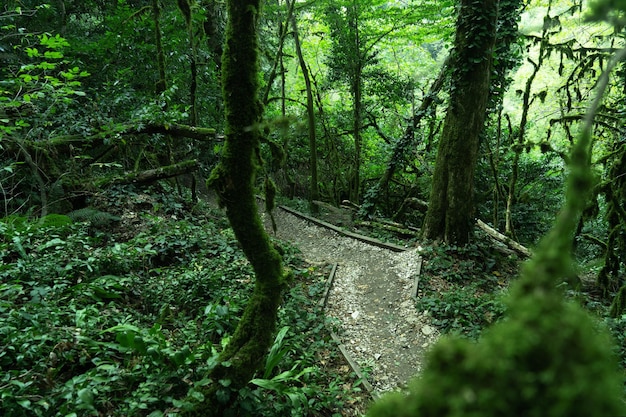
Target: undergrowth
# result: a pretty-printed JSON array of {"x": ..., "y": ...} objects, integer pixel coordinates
[
  {"x": 464, "y": 286},
  {"x": 95, "y": 324}
]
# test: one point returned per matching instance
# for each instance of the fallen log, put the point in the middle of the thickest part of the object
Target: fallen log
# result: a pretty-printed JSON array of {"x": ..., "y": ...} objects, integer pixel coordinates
[
  {"x": 114, "y": 136},
  {"x": 347, "y": 204},
  {"x": 389, "y": 227},
  {"x": 151, "y": 175},
  {"x": 421, "y": 205},
  {"x": 503, "y": 239},
  {"x": 365, "y": 239}
]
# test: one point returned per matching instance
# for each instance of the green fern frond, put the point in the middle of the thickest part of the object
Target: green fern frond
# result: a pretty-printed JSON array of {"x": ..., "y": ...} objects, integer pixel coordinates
[{"x": 96, "y": 217}]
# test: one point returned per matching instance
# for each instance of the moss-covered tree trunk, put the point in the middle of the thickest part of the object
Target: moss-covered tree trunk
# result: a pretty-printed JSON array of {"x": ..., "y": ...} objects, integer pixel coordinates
[
  {"x": 451, "y": 208},
  {"x": 161, "y": 84},
  {"x": 233, "y": 180},
  {"x": 549, "y": 358}
]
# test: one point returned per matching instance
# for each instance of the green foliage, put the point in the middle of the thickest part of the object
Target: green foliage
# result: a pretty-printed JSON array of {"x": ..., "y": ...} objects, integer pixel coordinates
[
  {"x": 464, "y": 311},
  {"x": 612, "y": 11},
  {"x": 476, "y": 263},
  {"x": 95, "y": 325},
  {"x": 617, "y": 327},
  {"x": 549, "y": 358},
  {"x": 538, "y": 191},
  {"x": 535, "y": 364},
  {"x": 13, "y": 225},
  {"x": 471, "y": 299},
  {"x": 94, "y": 216},
  {"x": 42, "y": 85}
]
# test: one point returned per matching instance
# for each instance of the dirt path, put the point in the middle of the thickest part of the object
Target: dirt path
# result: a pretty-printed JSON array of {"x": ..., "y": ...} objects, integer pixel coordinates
[{"x": 370, "y": 300}]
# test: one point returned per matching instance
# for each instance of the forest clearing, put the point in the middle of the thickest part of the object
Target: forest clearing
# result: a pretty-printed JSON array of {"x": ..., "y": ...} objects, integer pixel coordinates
[{"x": 313, "y": 208}]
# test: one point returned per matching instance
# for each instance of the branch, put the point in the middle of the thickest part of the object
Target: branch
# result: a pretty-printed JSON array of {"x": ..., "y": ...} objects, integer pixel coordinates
[
  {"x": 113, "y": 136},
  {"x": 151, "y": 175},
  {"x": 503, "y": 239}
]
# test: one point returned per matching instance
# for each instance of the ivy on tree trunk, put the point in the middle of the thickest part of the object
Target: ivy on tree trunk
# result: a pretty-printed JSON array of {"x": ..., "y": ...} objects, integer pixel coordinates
[
  {"x": 451, "y": 207},
  {"x": 233, "y": 179}
]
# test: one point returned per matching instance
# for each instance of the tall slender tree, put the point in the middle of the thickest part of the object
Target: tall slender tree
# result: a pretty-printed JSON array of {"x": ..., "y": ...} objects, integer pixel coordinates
[
  {"x": 351, "y": 56},
  {"x": 233, "y": 179},
  {"x": 451, "y": 208},
  {"x": 310, "y": 111}
]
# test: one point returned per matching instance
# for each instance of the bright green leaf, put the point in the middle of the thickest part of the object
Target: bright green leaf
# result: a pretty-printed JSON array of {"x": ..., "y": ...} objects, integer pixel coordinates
[{"x": 24, "y": 403}]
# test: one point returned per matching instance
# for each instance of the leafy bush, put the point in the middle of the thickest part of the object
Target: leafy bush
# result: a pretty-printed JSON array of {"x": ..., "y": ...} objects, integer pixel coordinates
[
  {"x": 463, "y": 311},
  {"x": 475, "y": 262},
  {"x": 95, "y": 326},
  {"x": 475, "y": 276}
]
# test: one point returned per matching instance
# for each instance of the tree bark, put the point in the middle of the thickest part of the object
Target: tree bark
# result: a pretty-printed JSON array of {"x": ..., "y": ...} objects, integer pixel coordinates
[
  {"x": 233, "y": 179},
  {"x": 396, "y": 160},
  {"x": 151, "y": 175},
  {"x": 504, "y": 239},
  {"x": 314, "y": 193},
  {"x": 451, "y": 207}
]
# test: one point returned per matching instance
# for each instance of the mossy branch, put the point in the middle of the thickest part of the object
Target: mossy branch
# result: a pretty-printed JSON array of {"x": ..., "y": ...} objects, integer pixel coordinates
[{"x": 151, "y": 175}]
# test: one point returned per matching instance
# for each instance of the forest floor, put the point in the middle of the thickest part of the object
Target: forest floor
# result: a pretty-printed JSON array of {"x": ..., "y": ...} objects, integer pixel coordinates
[{"x": 370, "y": 303}]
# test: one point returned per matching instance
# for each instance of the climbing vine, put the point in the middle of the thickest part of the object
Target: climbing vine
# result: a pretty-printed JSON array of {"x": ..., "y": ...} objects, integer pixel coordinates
[{"x": 548, "y": 358}]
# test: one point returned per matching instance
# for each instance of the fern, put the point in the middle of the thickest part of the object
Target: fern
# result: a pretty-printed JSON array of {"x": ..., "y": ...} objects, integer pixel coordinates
[
  {"x": 54, "y": 220},
  {"x": 94, "y": 216}
]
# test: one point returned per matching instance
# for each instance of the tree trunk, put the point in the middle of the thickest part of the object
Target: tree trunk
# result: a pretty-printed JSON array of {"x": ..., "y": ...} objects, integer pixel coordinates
[
  {"x": 451, "y": 207},
  {"x": 151, "y": 175},
  {"x": 314, "y": 193},
  {"x": 521, "y": 136},
  {"x": 161, "y": 84},
  {"x": 355, "y": 189},
  {"x": 278, "y": 65},
  {"x": 357, "y": 103},
  {"x": 233, "y": 180}
]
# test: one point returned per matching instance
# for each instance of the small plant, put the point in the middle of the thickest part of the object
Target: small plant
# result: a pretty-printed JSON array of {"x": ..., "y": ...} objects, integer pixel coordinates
[
  {"x": 463, "y": 311},
  {"x": 96, "y": 326}
]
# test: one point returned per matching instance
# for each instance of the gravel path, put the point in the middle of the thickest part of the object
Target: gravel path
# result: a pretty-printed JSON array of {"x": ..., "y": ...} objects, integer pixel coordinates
[{"x": 370, "y": 300}]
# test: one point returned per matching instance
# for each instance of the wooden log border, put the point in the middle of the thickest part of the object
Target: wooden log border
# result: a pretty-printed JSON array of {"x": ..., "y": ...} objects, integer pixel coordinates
[
  {"x": 365, "y": 239},
  {"x": 331, "y": 278},
  {"x": 342, "y": 348}
]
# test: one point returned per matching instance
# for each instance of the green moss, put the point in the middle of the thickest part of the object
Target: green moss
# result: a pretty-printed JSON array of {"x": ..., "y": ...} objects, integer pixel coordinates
[
  {"x": 547, "y": 359},
  {"x": 233, "y": 181},
  {"x": 618, "y": 306}
]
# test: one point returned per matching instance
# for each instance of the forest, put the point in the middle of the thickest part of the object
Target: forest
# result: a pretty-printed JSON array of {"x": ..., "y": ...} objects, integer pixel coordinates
[{"x": 150, "y": 151}]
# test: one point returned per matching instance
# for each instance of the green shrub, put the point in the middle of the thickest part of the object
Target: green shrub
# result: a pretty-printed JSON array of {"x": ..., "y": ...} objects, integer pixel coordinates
[
  {"x": 94, "y": 326},
  {"x": 551, "y": 361},
  {"x": 463, "y": 310}
]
